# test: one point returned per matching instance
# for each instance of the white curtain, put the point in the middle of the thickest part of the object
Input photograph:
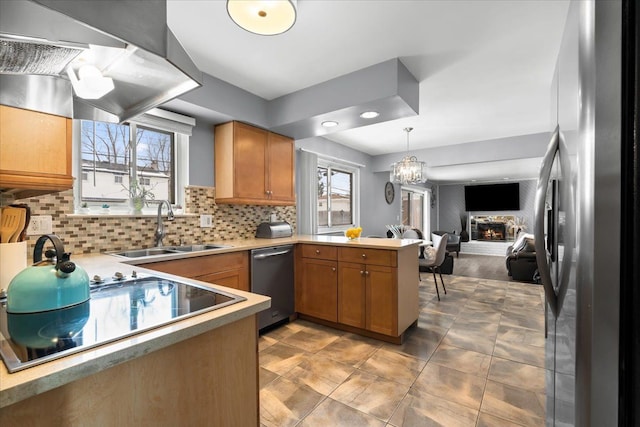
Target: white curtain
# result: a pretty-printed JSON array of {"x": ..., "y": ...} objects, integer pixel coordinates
[{"x": 307, "y": 195}]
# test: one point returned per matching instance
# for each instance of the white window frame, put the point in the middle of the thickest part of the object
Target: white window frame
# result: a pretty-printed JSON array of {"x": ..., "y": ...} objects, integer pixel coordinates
[
  {"x": 426, "y": 207},
  {"x": 355, "y": 196},
  {"x": 156, "y": 119}
]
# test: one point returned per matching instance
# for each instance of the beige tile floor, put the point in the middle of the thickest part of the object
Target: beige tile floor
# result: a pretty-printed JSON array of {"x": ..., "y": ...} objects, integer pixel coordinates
[{"x": 476, "y": 358}]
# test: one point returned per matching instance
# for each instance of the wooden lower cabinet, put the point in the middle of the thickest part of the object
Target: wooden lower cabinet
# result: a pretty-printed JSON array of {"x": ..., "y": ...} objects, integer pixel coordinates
[
  {"x": 230, "y": 269},
  {"x": 381, "y": 306},
  {"x": 317, "y": 294},
  {"x": 351, "y": 294},
  {"x": 367, "y": 297},
  {"x": 376, "y": 292},
  {"x": 208, "y": 380}
]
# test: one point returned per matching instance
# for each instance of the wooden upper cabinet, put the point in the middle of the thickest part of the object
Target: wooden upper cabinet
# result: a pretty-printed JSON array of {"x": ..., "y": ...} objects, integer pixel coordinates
[
  {"x": 35, "y": 152},
  {"x": 281, "y": 171},
  {"x": 253, "y": 166}
]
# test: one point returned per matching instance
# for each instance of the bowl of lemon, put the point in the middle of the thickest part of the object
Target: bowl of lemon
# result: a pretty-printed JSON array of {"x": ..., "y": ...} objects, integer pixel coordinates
[{"x": 353, "y": 233}]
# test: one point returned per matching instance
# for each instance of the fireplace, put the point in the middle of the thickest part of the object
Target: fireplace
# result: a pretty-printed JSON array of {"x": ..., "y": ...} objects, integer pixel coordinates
[
  {"x": 494, "y": 228},
  {"x": 492, "y": 231}
]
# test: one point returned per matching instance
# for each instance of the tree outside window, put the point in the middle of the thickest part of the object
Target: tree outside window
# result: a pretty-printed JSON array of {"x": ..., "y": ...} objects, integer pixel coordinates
[{"x": 109, "y": 161}]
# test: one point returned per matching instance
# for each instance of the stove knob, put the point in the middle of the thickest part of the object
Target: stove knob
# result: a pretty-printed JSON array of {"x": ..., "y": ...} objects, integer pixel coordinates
[
  {"x": 97, "y": 279},
  {"x": 118, "y": 276},
  {"x": 134, "y": 274}
]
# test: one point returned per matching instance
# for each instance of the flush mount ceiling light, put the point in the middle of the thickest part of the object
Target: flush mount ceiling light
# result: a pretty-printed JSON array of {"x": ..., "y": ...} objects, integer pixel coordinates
[
  {"x": 408, "y": 170},
  {"x": 90, "y": 83},
  {"x": 369, "y": 114},
  {"x": 263, "y": 17},
  {"x": 329, "y": 123}
]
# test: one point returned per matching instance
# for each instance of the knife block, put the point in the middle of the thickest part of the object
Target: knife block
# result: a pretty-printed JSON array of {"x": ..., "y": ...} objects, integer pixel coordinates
[{"x": 13, "y": 259}]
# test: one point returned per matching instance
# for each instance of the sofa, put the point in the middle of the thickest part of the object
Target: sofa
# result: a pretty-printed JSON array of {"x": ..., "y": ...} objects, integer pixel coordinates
[
  {"x": 521, "y": 259},
  {"x": 453, "y": 241}
]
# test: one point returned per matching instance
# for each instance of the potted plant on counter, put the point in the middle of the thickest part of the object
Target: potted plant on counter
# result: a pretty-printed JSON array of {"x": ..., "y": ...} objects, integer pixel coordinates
[
  {"x": 139, "y": 196},
  {"x": 84, "y": 208}
]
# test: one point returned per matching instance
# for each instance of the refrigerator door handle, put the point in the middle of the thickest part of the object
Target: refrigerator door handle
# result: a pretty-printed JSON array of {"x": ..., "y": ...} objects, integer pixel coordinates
[{"x": 539, "y": 217}]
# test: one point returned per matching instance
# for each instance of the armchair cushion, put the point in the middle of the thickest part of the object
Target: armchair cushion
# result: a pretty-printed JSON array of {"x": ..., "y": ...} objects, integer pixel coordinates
[{"x": 429, "y": 254}]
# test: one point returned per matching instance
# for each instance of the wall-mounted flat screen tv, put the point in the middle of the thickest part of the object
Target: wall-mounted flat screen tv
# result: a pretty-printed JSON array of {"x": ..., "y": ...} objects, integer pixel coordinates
[{"x": 492, "y": 197}]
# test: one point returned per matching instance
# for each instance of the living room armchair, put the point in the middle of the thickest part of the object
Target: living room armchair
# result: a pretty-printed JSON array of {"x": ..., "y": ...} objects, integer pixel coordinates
[{"x": 453, "y": 241}]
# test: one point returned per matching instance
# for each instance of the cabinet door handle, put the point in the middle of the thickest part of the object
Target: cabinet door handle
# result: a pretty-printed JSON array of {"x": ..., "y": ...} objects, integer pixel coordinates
[
  {"x": 333, "y": 269},
  {"x": 317, "y": 251},
  {"x": 361, "y": 272},
  {"x": 364, "y": 255},
  {"x": 366, "y": 272}
]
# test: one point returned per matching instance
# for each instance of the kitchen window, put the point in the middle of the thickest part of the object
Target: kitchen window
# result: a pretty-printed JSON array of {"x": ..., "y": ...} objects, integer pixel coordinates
[
  {"x": 336, "y": 194},
  {"x": 151, "y": 152},
  {"x": 108, "y": 150}
]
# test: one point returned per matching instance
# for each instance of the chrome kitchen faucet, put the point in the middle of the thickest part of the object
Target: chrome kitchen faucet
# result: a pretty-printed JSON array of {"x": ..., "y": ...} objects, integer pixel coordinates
[{"x": 160, "y": 233}]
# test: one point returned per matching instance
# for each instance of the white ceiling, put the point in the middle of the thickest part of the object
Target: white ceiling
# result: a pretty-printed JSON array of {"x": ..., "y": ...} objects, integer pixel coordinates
[{"x": 484, "y": 67}]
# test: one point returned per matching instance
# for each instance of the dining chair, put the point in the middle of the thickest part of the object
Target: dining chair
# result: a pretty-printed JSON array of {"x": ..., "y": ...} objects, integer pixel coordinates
[{"x": 433, "y": 264}]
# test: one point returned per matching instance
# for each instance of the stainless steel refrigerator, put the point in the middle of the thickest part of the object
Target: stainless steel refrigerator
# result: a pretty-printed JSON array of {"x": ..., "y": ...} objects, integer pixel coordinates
[{"x": 578, "y": 217}]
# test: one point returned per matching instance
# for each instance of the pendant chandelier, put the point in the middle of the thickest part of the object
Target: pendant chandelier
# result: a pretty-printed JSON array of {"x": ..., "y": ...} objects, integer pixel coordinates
[{"x": 408, "y": 170}]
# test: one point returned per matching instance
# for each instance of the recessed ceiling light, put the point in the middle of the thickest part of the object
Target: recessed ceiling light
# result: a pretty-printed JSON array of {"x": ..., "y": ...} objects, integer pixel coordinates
[
  {"x": 369, "y": 114},
  {"x": 329, "y": 123}
]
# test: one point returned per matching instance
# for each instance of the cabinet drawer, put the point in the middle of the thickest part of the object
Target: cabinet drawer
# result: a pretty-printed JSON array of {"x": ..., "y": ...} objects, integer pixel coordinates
[
  {"x": 319, "y": 252},
  {"x": 204, "y": 265},
  {"x": 367, "y": 256}
]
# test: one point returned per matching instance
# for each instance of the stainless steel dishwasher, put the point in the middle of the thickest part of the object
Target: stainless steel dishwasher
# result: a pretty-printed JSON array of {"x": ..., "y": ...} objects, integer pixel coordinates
[{"x": 272, "y": 275}]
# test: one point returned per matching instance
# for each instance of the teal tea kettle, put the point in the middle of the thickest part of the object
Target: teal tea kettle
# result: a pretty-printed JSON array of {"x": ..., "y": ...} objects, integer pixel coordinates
[{"x": 48, "y": 285}]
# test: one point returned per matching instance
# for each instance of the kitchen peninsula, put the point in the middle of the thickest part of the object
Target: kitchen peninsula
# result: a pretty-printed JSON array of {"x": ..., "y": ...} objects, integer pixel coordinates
[{"x": 204, "y": 370}]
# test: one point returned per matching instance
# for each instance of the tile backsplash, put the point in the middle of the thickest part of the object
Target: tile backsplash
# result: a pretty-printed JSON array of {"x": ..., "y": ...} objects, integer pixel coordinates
[{"x": 104, "y": 233}]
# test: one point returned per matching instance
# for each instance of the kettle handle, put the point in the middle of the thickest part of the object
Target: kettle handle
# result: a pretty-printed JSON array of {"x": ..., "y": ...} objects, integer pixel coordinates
[{"x": 62, "y": 258}]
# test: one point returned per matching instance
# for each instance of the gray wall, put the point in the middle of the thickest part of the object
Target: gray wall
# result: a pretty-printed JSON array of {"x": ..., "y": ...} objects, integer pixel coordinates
[
  {"x": 451, "y": 206},
  {"x": 201, "y": 154},
  {"x": 380, "y": 212}
]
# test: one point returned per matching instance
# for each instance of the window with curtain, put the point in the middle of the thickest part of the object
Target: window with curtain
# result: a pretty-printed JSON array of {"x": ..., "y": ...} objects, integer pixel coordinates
[{"x": 336, "y": 195}]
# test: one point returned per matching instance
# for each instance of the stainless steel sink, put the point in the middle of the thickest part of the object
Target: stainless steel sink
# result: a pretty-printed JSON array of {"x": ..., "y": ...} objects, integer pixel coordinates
[
  {"x": 140, "y": 253},
  {"x": 196, "y": 248},
  {"x": 137, "y": 253}
]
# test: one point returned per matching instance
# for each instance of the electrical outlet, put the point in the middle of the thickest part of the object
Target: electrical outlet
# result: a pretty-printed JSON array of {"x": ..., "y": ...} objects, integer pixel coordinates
[
  {"x": 40, "y": 224},
  {"x": 206, "y": 221}
]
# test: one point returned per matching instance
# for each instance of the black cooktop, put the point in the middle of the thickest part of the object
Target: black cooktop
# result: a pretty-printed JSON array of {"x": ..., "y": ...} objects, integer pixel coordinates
[{"x": 117, "y": 309}]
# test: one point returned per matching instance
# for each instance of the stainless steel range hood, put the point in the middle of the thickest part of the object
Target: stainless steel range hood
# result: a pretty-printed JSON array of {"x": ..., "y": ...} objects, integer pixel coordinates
[{"x": 128, "y": 40}]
